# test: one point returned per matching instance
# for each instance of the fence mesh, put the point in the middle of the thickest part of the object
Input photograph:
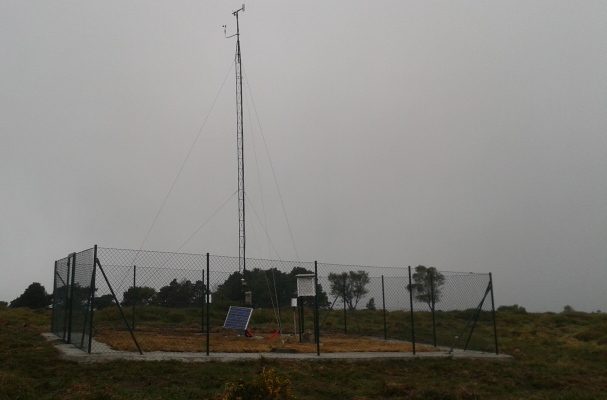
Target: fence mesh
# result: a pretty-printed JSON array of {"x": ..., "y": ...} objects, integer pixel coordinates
[
  {"x": 60, "y": 298},
  {"x": 80, "y": 301},
  {"x": 157, "y": 301}
]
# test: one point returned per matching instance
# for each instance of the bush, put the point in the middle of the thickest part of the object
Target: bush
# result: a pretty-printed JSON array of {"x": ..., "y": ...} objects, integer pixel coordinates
[
  {"x": 515, "y": 308},
  {"x": 34, "y": 296},
  {"x": 267, "y": 385},
  {"x": 595, "y": 332},
  {"x": 176, "y": 317},
  {"x": 3, "y": 304}
]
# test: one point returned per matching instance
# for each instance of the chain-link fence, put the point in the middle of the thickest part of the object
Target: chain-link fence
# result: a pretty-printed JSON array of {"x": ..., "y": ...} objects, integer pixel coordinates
[
  {"x": 60, "y": 297},
  {"x": 127, "y": 300}
]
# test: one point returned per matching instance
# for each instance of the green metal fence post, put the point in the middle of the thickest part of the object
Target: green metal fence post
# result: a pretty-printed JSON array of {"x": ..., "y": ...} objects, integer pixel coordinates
[
  {"x": 432, "y": 304},
  {"x": 208, "y": 291},
  {"x": 71, "y": 299},
  {"x": 92, "y": 302},
  {"x": 345, "y": 310},
  {"x": 316, "y": 312},
  {"x": 202, "y": 303},
  {"x": 54, "y": 298},
  {"x": 66, "y": 300},
  {"x": 135, "y": 297},
  {"x": 493, "y": 313},
  {"x": 383, "y": 298},
  {"x": 410, "y": 288},
  {"x": 126, "y": 322}
]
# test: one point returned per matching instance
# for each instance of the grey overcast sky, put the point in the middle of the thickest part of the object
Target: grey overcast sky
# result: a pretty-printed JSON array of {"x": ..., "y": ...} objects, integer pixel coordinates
[{"x": 466, "y": 135}]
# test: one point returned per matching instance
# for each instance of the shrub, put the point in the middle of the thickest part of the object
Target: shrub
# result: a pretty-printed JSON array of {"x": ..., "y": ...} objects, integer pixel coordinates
[
  {"x": 34, "y": 296},
  {"x": 267, "y": 385},
  {"x": 176, "y": 317},
  {"x": 595, "y": 332},
  {"x": 515, "y": 308}
]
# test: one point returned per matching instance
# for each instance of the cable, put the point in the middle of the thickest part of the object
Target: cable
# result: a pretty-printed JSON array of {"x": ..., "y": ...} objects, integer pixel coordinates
[
  {"x": 206, "y": 222},
  {"x": 272, "y": 299},
  {"x": 277, "y": 303},
  {"x": 264, "y": 230},
  {"x": 259, "y": 181},
  {"x": 166, "y": 197},
  {"x": 282, "y": 203},
  {"x": 217, "y": 210}
]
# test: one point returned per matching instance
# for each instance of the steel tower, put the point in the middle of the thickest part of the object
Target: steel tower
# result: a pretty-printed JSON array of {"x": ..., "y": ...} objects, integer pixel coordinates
[{"x": 242, "y": 264}]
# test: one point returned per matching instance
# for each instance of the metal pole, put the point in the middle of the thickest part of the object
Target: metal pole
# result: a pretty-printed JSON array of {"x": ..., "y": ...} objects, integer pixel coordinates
[
  {"x": 92, "y": 309},
  {"x": 119, "y": 307},
  {"x": 345, "y": 311},
  {"x": 411, "y": 313},
  {"x": 54, "y": 298},
  {"x": 208, "y": 291},
  {"x": 298, "y": 326},
  {"x": 135, "y": 297},
  {"x": 203, "y": 295},
  {"x": 89, "y": 306},
  {"x": 493, "y": 313},
  {"x": 316, "y": 312},
  {"x": 383, "y": 297},
  {"x": 477, "y": 313},
  {"x": 242, "y": 262},
  {"x": 301, "y": 317},
  {"x": 66, "y": 305},
  {"x": 71, "y": 300},
  {"x": 432, "y": 305}
]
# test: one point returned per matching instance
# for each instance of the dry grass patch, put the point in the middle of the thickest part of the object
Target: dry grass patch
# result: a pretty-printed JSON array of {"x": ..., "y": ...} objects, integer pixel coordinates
[{"x": 228, "y": 342}]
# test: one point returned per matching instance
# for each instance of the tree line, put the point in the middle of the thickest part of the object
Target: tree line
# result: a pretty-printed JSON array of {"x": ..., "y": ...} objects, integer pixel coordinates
[{"x": 270, "y": 288}]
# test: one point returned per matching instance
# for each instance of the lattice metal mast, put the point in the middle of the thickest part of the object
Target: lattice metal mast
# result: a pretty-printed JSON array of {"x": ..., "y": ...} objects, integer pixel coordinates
[{"x": 242, "y": 264}]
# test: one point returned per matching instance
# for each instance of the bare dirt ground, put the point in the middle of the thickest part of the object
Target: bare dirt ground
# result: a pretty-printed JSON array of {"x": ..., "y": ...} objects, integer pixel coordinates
[{"x": 230, "y": 342}]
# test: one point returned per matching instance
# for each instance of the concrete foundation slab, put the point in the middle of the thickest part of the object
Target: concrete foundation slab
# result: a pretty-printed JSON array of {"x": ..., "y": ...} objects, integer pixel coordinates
[{"x": 69, "y": 352}]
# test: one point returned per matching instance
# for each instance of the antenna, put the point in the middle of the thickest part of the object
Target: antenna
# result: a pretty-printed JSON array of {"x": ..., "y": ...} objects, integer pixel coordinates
[
  {"x": 240, "y": 147},
  {"x": 234, "y": 13}
]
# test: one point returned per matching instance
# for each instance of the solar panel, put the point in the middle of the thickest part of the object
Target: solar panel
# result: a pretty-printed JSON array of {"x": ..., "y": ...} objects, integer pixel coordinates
[{"x": 238, "y": 318}]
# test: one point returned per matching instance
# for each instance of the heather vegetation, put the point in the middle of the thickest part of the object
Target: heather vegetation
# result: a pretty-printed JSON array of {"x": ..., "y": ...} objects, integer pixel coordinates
[{"x": 555, "y": 356}]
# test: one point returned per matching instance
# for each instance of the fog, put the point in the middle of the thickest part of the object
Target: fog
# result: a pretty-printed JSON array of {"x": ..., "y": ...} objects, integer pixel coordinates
[{"x": 464, "y": 135}]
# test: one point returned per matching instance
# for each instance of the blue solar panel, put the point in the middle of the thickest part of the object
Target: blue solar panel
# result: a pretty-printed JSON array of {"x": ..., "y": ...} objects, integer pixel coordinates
[{"x": 238, "y": 318}]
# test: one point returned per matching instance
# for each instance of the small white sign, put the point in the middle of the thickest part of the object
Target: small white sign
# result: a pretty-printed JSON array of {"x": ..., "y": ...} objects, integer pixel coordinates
[
  {"x": 305, "y": 285},
  {"x": 294, "y": 302}
]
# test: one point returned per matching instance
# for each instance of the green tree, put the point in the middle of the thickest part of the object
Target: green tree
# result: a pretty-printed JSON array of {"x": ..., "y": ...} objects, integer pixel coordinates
[
  {"x": 515, "y": 308},
  {"x": 349, "y": 286},
  {"x": 34, "y": 296},
  {"x": 427, "y": 285},
  {"x": 371, "y": 304},
  {"x": 180, "y": 294},
  {"x": 105, "y": 301},
  {"x": 266, "y": 286},
  {"x": 139, "y": 295}
]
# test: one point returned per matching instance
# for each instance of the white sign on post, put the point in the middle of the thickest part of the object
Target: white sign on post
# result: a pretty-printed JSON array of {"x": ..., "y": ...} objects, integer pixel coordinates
[{"x": 305, "y": 285}]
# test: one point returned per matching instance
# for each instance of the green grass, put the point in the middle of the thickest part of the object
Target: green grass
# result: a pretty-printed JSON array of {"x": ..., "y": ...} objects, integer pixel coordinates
[{"x": 556, "y": 356}]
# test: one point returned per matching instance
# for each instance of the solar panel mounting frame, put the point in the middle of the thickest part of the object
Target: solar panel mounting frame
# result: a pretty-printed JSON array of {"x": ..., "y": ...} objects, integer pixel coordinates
[{"x": 229, "y": 323}]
